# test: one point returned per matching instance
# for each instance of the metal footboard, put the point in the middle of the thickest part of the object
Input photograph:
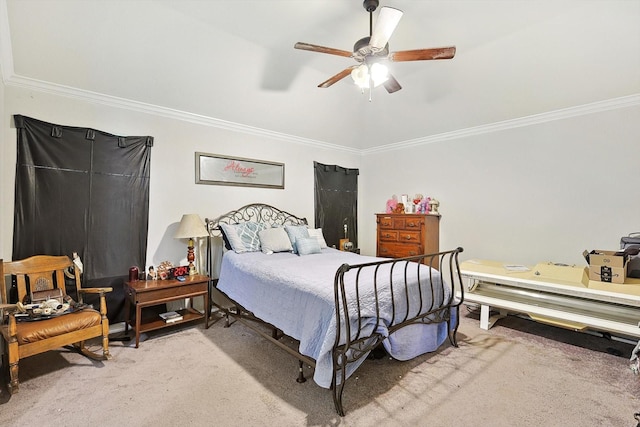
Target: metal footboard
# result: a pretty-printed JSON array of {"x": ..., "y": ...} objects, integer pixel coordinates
[{"x": 417, "y": 303}]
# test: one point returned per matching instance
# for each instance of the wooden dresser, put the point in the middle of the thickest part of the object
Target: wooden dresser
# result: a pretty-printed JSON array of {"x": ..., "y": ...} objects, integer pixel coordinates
[{"x": 404, "y": 235}]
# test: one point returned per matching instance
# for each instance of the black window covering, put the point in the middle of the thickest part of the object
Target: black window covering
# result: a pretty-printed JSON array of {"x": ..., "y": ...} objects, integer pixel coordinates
[
  {"x": 336, "y": 202},
  {"x": 86, "y": 191}
]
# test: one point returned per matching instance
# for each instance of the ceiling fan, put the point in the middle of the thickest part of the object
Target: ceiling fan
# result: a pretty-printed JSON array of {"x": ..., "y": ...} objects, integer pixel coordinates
[{"x": 370, "y": 52}]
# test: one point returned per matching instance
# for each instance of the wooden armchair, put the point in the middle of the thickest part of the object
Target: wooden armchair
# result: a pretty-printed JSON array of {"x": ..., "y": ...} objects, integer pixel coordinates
[{"x": 26, "y": 338}]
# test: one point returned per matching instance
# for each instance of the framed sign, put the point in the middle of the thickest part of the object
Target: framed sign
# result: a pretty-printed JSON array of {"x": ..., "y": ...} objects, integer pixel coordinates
[{"x": 215, "y": 169}]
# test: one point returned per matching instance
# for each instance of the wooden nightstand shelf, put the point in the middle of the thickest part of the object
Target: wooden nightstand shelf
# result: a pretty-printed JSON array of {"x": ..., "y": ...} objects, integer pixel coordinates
[{"x": 147, "y": 293}]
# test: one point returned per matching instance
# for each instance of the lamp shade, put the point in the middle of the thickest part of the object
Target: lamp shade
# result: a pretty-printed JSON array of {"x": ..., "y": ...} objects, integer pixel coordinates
[{"x": 191, "y": 226}]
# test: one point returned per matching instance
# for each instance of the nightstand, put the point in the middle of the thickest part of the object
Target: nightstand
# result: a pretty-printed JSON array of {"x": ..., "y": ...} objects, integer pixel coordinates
[{"x": 147, "y": 293}]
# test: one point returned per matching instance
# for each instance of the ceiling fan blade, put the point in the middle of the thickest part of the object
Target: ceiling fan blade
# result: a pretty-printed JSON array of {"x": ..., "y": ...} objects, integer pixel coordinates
[
  {"x": 385, "y": 25},
  {"x": 392, "y": 85},
  {"x": 334, "y": 79},
  {"x": 423, "y": 54},
  {"x": 322, "y": 49}
]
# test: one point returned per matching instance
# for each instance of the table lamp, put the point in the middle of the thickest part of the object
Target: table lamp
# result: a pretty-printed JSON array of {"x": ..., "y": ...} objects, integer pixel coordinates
[{"x": 191, "y": 227}]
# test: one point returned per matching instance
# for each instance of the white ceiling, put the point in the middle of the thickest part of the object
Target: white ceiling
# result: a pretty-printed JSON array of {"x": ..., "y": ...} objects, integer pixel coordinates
[{"x": 232, "y": 61}]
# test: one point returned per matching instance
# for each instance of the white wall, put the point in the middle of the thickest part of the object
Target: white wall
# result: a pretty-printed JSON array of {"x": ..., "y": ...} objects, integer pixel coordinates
[
  {"x": 543, "y": 192},
  {"x": 540, "y": 192},
  {"x": 173, "y": 191}
]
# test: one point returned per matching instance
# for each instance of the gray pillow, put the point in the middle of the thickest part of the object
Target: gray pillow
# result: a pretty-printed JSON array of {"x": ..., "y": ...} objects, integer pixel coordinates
[
  {"x": 307, "y": 245},
  {"x": 296, "y": 232},
  {"x": 274, "y": 240}
]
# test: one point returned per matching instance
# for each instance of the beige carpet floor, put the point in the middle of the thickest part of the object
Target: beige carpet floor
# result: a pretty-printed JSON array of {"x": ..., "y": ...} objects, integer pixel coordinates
[{"x": 519, "y": 373}]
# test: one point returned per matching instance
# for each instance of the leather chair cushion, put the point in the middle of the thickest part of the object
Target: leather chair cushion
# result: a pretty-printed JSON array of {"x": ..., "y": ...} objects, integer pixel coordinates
[{"x": 29, "y": 332}]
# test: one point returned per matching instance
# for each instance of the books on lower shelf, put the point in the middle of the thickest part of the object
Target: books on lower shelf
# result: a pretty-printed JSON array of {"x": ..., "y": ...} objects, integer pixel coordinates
[{"x": 171, "y": 316}]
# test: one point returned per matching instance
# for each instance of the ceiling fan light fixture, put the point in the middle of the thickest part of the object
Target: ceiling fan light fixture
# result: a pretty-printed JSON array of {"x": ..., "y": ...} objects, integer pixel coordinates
[
  {"x": 379, "y": 73},
  {"x": 362, "y": 75}
]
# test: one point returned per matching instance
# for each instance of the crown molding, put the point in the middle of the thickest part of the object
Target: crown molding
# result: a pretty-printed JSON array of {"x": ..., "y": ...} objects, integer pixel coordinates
[
  {"x": 581, "y": 110},
  {"x": 112, "y": 101}
]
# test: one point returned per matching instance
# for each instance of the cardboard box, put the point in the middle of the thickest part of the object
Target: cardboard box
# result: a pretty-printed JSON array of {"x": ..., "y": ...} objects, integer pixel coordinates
[{"x": 608, "y": 266}]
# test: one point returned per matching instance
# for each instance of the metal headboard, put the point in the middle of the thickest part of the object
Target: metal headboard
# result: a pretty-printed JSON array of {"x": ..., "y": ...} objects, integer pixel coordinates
[{"x": 256, "y": 212}]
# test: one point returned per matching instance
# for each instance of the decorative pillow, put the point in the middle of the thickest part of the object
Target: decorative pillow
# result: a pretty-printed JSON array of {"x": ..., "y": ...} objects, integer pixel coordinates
[
  {"x": 295, "y": 232},
  {"x": 317, "y": 233},
  {"x": 243, "y": 237},
  {"x": 307, "y": 245},
  {"x": 274, "y": 240}
]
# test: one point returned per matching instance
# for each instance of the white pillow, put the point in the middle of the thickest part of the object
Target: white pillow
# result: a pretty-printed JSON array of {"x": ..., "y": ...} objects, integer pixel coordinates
[
  {"x": 274, "y": 240},
  {"x": 317, "y": 233}
]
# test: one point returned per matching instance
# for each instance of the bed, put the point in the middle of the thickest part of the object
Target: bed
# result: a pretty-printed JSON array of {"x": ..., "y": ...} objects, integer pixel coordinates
[{"x": 339, "y": 306}]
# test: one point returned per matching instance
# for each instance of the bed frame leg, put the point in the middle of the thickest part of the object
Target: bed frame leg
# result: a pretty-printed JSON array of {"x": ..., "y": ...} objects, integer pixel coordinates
[
  {"x": 301, "y": 378},
  {"x": 337, "y": 398},
  {"x": 453, "y": 332},
  {"x": 452, "y": 338}
]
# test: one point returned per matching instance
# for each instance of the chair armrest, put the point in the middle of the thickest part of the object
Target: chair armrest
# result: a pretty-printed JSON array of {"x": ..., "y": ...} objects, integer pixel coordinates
[
  {"x": 95, "y": 290},
  {"x": 8, "y": 329},
  {"x": 103, "y": 298},
  {"x": 8, "y": 307}
]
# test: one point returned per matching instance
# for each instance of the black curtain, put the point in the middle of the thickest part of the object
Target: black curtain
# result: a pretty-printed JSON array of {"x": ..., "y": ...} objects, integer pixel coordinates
[
  {"x": 336, "y": 202},
  {"x": 86, "y": 191}
]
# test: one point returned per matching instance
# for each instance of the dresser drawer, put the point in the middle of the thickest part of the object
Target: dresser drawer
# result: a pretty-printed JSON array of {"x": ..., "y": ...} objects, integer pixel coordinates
[
  {"x": 401, "y": 222},
  {"x": 385, "y": 222},
  {"x": 406, "y": 236},
  {"x": 413, "y": 223},
  {"x": 388, "y": 235},
  {"x": 402, "y": 236},
  {"x": 398, "y": 250}
]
